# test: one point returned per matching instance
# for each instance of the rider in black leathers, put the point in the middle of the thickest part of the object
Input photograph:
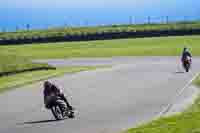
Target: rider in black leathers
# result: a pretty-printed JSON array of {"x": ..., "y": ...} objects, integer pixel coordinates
[
  {"x": 51, "y": 88},
  {"x": 185, "y": 54}
]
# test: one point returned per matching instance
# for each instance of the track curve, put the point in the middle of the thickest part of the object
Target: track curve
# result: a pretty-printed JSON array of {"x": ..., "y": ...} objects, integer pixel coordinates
[{"x": 134, "y": 90}]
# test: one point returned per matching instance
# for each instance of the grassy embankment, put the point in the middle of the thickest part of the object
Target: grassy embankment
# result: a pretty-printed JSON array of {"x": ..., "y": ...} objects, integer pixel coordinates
[
  {"x": 63, "y": 31},
  {"x": 185, "y": 122},
  {"x": 13, "y": 81},
  {"x": 11, "y": 63}
]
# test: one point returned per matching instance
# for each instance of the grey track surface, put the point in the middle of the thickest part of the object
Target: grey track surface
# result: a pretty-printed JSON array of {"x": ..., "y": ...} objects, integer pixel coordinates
[{"x": 134, "y": 90}]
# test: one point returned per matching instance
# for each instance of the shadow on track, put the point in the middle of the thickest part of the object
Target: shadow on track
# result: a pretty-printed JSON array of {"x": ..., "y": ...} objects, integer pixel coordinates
[
  {"x": 38, "y": 122},
  {"x": 179, "y": 72}
]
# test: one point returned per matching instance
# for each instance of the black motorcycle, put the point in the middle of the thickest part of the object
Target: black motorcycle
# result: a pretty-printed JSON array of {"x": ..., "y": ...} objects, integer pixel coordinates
[
  {"x": 59, "y": 108},
  {"x": 187, "y": 63}
]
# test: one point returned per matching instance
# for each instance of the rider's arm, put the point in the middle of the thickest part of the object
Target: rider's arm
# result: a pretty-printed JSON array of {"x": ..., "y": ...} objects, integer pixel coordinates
[
  {"x": 189, "y": 54},
  {"x": 182, "y": 57},
  {"x": 57, "y": 90}
]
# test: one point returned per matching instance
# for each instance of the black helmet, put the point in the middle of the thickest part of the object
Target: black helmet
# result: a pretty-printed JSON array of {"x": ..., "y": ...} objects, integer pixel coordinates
[
  {"x": 185, "y": 49},
  {"x": 47, "y": 84}
]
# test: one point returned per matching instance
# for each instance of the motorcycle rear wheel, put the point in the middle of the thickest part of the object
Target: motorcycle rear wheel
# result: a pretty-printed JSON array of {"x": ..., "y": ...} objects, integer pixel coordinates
[{"x": 57, "y": 113}]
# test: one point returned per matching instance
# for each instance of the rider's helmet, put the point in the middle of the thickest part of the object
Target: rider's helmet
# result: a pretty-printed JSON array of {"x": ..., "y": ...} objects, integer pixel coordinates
[
  {"x": 47, "y": 84},
  {"x": 185, "y": 49}
]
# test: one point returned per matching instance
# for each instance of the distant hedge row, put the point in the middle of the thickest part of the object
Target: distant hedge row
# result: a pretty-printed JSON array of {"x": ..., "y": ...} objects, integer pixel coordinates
[
  {"x": 101, "y": 36},
  {"x": 99, "y": 33}
]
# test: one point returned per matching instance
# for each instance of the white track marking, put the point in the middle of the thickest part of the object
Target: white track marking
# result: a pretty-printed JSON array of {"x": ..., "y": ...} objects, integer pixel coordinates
[{"x": 168, "y": 107}]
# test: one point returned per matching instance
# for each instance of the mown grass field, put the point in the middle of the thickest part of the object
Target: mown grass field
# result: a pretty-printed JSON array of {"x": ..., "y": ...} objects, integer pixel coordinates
[
  {"x": 159, "y": 46},
  {"x": 186, "y": 122}
]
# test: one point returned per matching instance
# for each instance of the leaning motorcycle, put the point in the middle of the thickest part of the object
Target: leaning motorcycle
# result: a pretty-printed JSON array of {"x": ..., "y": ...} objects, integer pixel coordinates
[
  {"x": 59, "y": 108},
  {"x": 187, "y": 63}
]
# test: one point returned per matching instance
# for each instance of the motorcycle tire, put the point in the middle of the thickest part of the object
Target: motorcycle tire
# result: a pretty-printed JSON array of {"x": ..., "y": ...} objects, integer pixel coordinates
[{"x": 57, "y": 113}]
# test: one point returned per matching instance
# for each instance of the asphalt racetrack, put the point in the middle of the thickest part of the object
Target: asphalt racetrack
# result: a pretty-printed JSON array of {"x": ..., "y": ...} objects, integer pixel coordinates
[{"x": 107, "y": 100}]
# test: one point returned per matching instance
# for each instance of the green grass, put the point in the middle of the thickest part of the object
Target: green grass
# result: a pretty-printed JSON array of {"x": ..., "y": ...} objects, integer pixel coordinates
[
  {"x": 13, "y": 81},
  {"x": 185, "y": 122},
  {"x": 197, "y": 81},
  {"x": 10, "y": 62},
  {"x": 160, "y": 46},
  {"x": 63, "y": 31}
]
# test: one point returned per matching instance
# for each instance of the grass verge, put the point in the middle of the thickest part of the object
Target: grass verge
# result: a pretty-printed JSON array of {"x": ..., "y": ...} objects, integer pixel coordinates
[
  {"x": 13, "y": 81},
  {"x": 160, "y": 46},
  {"x": 185, "y": 122},
  {"x": 10, "y": 62}
]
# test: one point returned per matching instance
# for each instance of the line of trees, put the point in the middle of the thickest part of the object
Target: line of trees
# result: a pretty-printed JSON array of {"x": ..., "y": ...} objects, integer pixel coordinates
[{"x": 102, "y": 36}]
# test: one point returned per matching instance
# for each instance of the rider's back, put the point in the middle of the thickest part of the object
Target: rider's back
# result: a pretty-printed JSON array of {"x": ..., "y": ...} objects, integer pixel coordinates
[
  {"x": 186, "y": 54},
  {"x": 51, "y": 89}
]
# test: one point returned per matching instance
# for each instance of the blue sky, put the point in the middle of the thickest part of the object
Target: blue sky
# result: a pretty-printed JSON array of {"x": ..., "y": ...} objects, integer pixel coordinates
[
  {"x": 137, "y": 7},
  {"x": 73, "y": 3},
  {"x": 147, "y": 7},
  {"x": 97, "y": 3},
  {"x": 57, "y": 12}
]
